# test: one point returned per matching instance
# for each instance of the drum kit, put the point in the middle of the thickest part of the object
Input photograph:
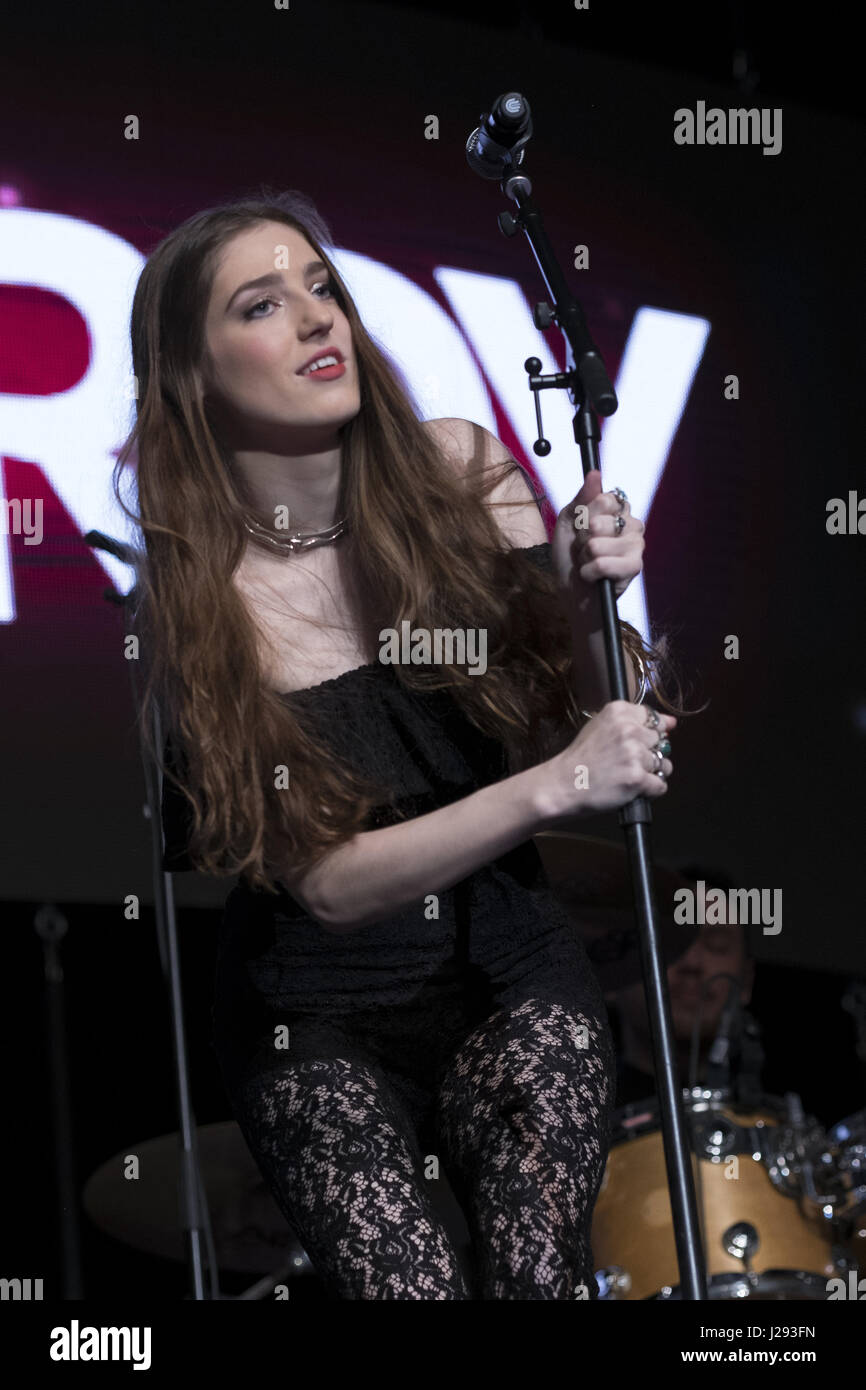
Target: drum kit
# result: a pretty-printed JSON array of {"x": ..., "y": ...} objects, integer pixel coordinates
[{"x": 782, "y": 1203}]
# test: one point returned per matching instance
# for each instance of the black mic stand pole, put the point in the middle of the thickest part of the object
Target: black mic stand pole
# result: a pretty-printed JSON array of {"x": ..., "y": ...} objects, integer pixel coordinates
[
  {"x": 590, "y": 390},
  {"x": 192, "y": 1202}
]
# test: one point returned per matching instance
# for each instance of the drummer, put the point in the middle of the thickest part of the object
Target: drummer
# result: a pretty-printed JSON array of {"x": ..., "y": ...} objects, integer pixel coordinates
[{"x": 717, "y": 950}]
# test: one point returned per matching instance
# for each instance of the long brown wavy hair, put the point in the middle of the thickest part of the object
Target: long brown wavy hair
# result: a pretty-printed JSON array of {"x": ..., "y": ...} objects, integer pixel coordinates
[{"x": 434, "y": 556}]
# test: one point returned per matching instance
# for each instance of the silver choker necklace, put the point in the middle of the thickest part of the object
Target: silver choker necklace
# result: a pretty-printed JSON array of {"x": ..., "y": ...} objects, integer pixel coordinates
[{"x": 296, "y": 540}]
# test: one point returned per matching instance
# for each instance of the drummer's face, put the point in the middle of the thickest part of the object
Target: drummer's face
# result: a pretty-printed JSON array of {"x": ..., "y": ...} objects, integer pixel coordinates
[{"x": 716, "y": 950}]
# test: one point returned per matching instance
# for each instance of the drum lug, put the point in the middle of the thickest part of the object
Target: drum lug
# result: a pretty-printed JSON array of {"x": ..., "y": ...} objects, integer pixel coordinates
[
  {"x": 615, "y": 1282},
  {"x": 842, "y": 1259},
  {"x": 714, "y": 1138}
]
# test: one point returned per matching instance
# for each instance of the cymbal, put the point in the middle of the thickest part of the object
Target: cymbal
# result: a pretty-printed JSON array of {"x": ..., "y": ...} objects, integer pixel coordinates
[
  {"x": 591, "y": 878},
  {"x": 250, "y": 1234}
]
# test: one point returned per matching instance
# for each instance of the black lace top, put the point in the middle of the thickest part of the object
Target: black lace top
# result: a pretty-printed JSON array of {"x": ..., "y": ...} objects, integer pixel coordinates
[{"x": 421, "y": 744}]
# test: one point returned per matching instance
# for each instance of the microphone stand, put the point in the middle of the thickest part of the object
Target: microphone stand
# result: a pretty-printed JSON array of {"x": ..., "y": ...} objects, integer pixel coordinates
[
  {"x": 717, "y": 1074},
  {"x": 747, "y": 1085},
  {"x": 496, "y": 151},
  {"x": 192, "y": 1201}
]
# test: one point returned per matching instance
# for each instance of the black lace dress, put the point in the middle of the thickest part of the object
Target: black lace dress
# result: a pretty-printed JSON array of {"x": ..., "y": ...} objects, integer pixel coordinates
[{"x": 467, "y": 1029}]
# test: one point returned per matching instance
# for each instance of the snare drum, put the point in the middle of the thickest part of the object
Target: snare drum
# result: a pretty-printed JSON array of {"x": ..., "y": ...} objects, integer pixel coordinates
[{"x": 760, "y": 1239}]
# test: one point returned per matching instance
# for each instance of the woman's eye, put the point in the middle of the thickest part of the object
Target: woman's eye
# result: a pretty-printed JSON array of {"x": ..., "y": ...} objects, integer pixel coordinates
[{"x": 250, "y": 312}]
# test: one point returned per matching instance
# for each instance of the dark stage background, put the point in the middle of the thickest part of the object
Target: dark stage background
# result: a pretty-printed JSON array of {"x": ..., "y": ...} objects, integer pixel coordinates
[{"x": 765, "y": 250}]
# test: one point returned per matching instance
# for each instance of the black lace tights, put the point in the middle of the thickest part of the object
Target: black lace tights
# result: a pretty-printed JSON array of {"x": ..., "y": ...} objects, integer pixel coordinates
[{"x": 522, "y": 1115}]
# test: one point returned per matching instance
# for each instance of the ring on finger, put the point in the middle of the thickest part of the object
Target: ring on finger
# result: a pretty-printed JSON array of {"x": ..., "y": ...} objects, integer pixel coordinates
[{"x": 620, "y": 496}]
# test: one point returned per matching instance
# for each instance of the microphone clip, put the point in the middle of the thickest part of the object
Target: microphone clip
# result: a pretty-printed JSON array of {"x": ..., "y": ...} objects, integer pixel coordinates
[{"x": 544, "y": 316}]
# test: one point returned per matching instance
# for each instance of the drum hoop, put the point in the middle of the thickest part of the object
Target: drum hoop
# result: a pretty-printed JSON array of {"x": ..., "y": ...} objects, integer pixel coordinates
[
  {"x": 699, "y": 1101},
  {"x": 801, "y": 1278}
]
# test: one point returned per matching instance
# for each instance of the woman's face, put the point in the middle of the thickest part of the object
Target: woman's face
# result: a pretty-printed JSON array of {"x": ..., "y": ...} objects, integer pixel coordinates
[{"x": 259, "y": 339}]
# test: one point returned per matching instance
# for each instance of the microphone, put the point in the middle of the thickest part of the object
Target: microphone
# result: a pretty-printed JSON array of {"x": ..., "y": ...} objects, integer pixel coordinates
[
  {"x": 718, "y": 1070},
  {"x": 496, "y": 146},
  {"x": 797, "y": 1121},
  {"x": 119, "y": 549}
]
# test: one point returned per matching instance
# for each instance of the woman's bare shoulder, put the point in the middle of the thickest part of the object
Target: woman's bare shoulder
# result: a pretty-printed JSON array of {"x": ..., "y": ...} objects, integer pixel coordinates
[{"x": 472, "y": 449}]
